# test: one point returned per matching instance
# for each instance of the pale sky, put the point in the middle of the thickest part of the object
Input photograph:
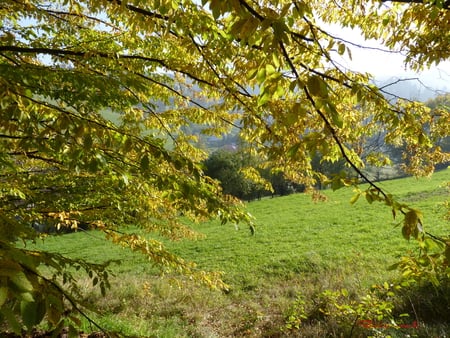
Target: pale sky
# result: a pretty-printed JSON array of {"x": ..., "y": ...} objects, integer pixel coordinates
[{"x": 386, "y": 65}]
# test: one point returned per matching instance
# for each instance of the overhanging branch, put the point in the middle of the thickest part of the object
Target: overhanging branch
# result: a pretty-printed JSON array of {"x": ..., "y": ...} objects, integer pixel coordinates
[
  {"x": 329, "y": 126},
  {"x": 442, "y": 4}
]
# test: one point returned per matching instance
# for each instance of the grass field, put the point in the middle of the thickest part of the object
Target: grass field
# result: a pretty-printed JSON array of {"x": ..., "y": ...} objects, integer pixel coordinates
[{"x": 300, "y": 248}]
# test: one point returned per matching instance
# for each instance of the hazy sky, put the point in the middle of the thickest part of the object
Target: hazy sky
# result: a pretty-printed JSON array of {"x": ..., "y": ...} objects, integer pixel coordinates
[{"x": 386, "y": 65}]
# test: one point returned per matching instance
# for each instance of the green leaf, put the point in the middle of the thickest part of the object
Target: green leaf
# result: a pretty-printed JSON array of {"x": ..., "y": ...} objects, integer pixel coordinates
[
  {"x": 249, "y": 27},
  {"x": 55, "y": 308},
  {"x": 433, "y": 244},
  {"x": 279, "y": 30},
  {"x": 393, "y": 267},
  {"x": 21, "y": 282},
  {"x": 276, "y": 60},
  {"x": 27, "y": 296},
  {"x": 337, "y": 183},
  {"x": 3, "y": 295},
  {"x": 369, "y": 197},
  {"x": 293, "y": 150},
  {"x": 313, "y": 85},
  {"x": 317, "y": 87},
  {"x": 87, "y": 141},
  {"x": 261, "y": 75},
  {"x": 335, "y": 116},
  {"x": 293, "y": 85},
  {"x": 341, "y": 49},
  {"x": 263, "y": 99},
  {"x": 145, "y": 163},
  {"x": 32, "y": 312},
  {"x": 252, "y": 73},
  {"x": 236, "y": 28},
  {"x": 270, "y": 69}
]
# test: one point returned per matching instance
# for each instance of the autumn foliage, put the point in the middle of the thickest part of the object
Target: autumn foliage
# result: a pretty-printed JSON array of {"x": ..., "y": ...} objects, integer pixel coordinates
[{"x": 95, "y": 94}]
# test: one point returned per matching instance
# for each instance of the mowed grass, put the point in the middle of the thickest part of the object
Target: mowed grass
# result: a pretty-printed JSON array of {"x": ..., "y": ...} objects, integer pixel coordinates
[
  {"x": 300, "y": 246},
  {"x": 295, "y": 234}
]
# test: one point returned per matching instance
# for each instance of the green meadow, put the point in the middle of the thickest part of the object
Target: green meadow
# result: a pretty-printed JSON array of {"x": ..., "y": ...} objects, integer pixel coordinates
[{"x": 300, "y": 249}]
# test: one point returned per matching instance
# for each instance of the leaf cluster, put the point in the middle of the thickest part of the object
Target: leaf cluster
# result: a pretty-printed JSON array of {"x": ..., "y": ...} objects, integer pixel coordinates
[{"x": 96, "y": 95}]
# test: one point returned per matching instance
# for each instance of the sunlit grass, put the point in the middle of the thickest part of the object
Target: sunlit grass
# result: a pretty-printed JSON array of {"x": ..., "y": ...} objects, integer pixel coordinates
[
  {"x": 295, "y": 234},
  {"x": 299, "y": 246}
]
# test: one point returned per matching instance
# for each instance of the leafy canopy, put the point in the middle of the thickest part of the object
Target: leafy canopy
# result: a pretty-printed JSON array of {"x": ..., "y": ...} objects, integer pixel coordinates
[{"x": 95, "y": 95}]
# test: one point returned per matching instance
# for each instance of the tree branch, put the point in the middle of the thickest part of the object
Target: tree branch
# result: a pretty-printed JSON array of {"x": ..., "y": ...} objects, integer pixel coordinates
[
  {"x": 329, "y": 126},
  {"x": 444, "y": 5},
  {"x": 33, "y": 155},
  {"x": 231, "y": 91},
  {"x": 66, "y": 296},
  {"x": 64, "y": 52},
  {"x": 188, "y": 99},
  {"x": 140, "y": 10},
  {"x": 58, "y": 14}
]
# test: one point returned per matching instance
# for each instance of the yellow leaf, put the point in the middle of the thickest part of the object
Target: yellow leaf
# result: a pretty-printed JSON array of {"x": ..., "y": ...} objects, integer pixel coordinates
[
  {"x": 276, "y": 60},
  {"x": 355, "y": 198},
  {"x": 270, "y": 69}
]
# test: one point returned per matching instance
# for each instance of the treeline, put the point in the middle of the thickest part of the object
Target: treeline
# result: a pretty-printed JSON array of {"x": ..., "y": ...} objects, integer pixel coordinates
[
  {"x": 228, "y": 166},
  {"x": 229, "y": 163}
]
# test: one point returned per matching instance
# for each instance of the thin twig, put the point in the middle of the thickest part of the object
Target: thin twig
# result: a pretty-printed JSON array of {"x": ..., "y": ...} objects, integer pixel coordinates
[
  {"x": 68, "y": 297},
  {"x": 329, "y": 126}
]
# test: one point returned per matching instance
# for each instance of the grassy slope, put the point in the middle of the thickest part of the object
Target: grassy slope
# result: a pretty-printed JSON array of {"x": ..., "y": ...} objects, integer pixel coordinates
[
  {"x": 295, "y": 234},
  {"x": 299, "y": 246}
]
